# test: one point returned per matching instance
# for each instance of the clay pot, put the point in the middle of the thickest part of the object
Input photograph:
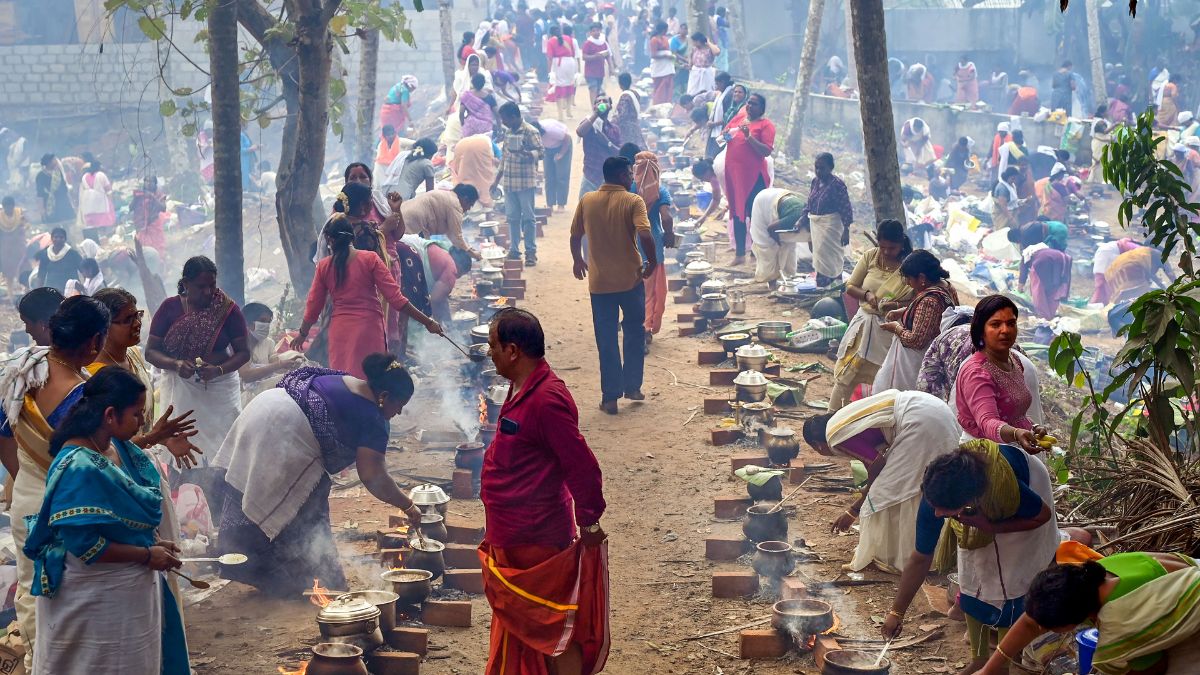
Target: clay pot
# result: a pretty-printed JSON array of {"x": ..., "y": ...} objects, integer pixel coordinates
[
  {"x": 487, "y": 432},
  {"x": 332, "y": 658},
  {"x": 770, "y": 491},
  {"x": 802, "y": 616},
  {"x": 433, "y": 526},
  {"x": 469, "y": 456},
  {"x": 854, "y": 662},
  {"x": 427, "y": 556},
  {"x": 761, "y": 524},
  {"x": 773, "y": 559},
  {"x": 781, "y": 445}
]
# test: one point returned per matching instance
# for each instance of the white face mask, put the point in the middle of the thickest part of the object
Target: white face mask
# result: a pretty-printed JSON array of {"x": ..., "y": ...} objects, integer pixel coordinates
[{"x": 262, "y": 329}]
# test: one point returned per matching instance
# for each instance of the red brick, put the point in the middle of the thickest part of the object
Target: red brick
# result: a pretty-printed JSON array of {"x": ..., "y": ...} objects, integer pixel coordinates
[
  {"x": 793, "y": 589},
  {"x": 689, "y": 330},
  {"x": 394, "y": 663},
  {"x": 453, "y": 613},
  {"x": 513, "y": 283},
  {"x": 514, "y": 274},
  {"x": 724, "y": 436},
  {"x": 391, "y": 557},
  {"x": 824, "y": 645},
  {"x": 762, "y": 643},
  {"x": 796, "y": 475},
  {"x": 540, "y": 232},
  {"x": 706, "y": 358},
  {"x": 716, "y": 406},
  {"x": 513, "y": 264},
  {"x": 725, "y": 548},
  {"x": 676, "y": 285},
  {"x": 734, "y": 584},
  {"x": 461, "y": 556},
  {"x": 467, "y": 581},
  {"x": 687, "y": 317},
  {"x": 397, "y": 520},
  {"x": 405, "y": 639},
  {"x": 730, "y": 507},
  {"x": 464, "y": 534},
  {"x": 746, "y": 459},
  {"x": 462, "y": 487},
  {"x": 722, "y": 378}
]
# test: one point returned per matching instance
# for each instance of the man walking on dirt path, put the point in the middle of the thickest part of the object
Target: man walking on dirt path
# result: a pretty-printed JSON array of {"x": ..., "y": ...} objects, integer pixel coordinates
[
  {"x": 615, "y": 221},
  {"x": 548, "y": 589}
]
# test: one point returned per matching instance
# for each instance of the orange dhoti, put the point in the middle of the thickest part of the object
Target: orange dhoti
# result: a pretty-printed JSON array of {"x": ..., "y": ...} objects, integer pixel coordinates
[{"x": 544, "y": 600}]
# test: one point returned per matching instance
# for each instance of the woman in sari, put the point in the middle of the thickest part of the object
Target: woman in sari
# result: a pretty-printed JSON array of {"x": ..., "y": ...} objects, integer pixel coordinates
[
  {"x": 895, "y": 434},
  {"x": 662, "y": 65},
  {"x": 879, "y": 287},
  {"x": 1145, "y": 605},
  {"x": 702, "y": 76},
  {"x": 353, "y": 280},
  {"x": 993, "y": 505},
  {"x": 39, "y": 387},
  {"x": 628, "y": 112},
  {"x": 918, "y": 324},
  {"x": 750, "y": 140},
  {"x": 1134, "y": 272},
  {"x": 395, "y": 109},
  {"x": 474, "y": 163},
  {"x": 477, "y": 108},
  {"x": 95, "y": 201},
  {"x": 278, "y": 457},
  {"x": 98, "y": 544},
  {"x": 1049, "y": 280},
  {"x": 199, "y": 338},
  {"x": 564, "y": 68},
  {"x": 992, "y": 395},
  {"x": 462, "y": 83},
  {"x": 12, "y": 245}
]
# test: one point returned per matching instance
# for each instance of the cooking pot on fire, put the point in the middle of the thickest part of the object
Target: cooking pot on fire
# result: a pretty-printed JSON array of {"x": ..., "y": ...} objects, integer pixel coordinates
[
  {"x": 428, "y": 495},
  {"x": 713, "y": 305},
  {"x": 479, "y": 334},
  {"x": 751, "y": 386},
  {"x": 752, "y": 357},
  {"x": 352, "y": 620},
  {"x": 493, "y": 274}
]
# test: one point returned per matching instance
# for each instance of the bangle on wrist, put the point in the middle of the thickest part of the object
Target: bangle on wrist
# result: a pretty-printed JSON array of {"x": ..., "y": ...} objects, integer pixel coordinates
[
  {"x": 898, "y": 615},
  {"x": 148, "y": 556},
  {"x": 1002, "y": 653}
]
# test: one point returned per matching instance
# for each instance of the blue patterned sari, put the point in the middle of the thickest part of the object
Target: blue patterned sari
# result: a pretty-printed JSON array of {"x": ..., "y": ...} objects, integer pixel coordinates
[{"x": 91, "y": 502}]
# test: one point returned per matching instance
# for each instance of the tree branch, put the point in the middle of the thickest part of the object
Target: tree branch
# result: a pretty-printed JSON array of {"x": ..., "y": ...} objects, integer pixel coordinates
[{"x": 328, "y": 9}]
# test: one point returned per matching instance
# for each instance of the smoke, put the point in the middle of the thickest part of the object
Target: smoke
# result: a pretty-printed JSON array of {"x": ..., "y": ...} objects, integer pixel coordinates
[{"x": 444, "y": 393}]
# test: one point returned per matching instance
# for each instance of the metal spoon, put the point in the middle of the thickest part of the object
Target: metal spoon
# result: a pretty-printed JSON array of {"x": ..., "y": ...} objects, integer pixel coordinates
[
  {"x": 456, "y": 346},
  {"x": 196, "y": 583},
  {"x": 879, "y": 659},
  {"x": 227, "y": 559}
]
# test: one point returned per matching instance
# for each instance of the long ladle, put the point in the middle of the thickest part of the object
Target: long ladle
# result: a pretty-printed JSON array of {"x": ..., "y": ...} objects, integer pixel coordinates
[
  {"x": 196, "y": 583},
  {"x": 879, "y": 659},
  {"x": 790, "y": 495},
  {"x": 227, "y": 559},
  {"x": 473, "y": 357}
]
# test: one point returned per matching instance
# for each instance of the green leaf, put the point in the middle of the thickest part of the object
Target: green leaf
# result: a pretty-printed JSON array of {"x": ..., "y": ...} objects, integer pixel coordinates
[
  {"x": 188, "y": 129},
  {"x": 167, "y": 108},
  {"x": 338, "y": 23},
  {"x": 419, "y": 5},
  {"x": 263, "y": 121},
  {"x": 154, "y": 28},
  {"x": 337, "y": 89}
]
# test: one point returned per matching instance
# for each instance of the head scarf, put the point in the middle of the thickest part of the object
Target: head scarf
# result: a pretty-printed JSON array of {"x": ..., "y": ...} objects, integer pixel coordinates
[
  {"x": 1003, "y": 127},
  {"x": 409, "y": 81},
  {"x": 646, "y": 173},
  {"x": 485, "y": 27}
]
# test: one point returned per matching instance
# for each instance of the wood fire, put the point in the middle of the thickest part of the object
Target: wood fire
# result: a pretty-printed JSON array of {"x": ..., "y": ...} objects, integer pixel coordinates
[
  {"x": 303, "y": 669},
  {"x": 320, "y": 596},
  {"x": 482, "y": 409}
]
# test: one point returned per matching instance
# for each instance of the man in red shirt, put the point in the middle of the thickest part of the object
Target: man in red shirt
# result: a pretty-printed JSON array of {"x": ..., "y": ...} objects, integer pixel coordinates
[{"x": 548, "y": 589}]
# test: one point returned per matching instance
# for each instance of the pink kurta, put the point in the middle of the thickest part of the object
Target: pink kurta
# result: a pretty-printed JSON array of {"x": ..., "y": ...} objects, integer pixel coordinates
[
  {"x": 356, "y": 324},
  {"x": 988, "y": 397}
]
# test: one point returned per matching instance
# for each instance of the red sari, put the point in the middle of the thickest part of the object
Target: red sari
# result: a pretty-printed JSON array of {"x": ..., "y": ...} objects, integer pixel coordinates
[
  {"x": 543, "y": 600},
  {"x": 745, "y": 168}
]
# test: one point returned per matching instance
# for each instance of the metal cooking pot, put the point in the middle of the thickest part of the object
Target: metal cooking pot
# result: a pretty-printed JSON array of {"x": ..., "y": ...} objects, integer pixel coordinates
[
  {"x": 731, "y": 341},
  {"x": 713, "y": 285},
  {"x": 479, "y": 334},
  {"x": 775, "y": 331},
  {"x": 751, "y": 386},
  {"x": 781, "y": 445},
  {"x": 351, "y": 619},
  {"x": 488, "y": 228},
  {"x": 493, "y": 274},
  {"x": 713, "y": 305},
  {"x": 386, "y": 602},
  {"x": 752, "y": 357},
  {"x": 429, "y": 496},
  {"x": 756, "y": 415},
  {"x": 412, "y": 586},
  {"x": 427, "y": 555}
]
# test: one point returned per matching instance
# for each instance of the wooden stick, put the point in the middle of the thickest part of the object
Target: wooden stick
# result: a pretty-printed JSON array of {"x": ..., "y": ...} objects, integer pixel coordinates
[
  {"x": 793, "y": 492},
  {"x": 756, "y": 622}
]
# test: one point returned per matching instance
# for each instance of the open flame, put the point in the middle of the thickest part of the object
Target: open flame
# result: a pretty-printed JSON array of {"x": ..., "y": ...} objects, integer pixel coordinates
[
  {"x": 482, "y": 410},
  {"x": 303, "y": 669},
  {"x": 320, "y": 596},
  {"x": 502, "y": 301}
]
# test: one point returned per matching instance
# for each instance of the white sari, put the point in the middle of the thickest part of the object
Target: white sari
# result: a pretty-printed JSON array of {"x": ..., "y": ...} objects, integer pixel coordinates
[{"x": 215, "y": 405}]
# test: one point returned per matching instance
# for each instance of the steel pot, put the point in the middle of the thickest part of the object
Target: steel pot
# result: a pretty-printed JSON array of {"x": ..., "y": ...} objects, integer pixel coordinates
[
  {"x": 713, "y": 286},
  {"x": 333, "y": 658},
  {"x": 756, "y": 415},
  {"x": 737, "y": 302},
  {"x": 752, "y": 357},
  {"x": 802, "y": 616},
  {"x": 488, "y": 229},
  {"x": 762, "y": 524},
  {"x": 694, "y": 256},
  {"x": 493, "y": 274},
  {"x": 781, "y": 445},
  {"x": 775, "y": 331},
  {"x": 411, "y": 586},
  {"x": 433, "y": 525},
  {"x": 696, "y": 272},
  {"x": 773, "y": 559},
  {"x": 386, "y": 602},
  {"x": 855, "y": 662},
  {"x": 427, "y": 555},
  {"x": 479, "y": 334},
  {"x": 351, "y": 619},
  {"x": 429, "y": 496},
  {"x": 751, "y": 386},
  {"x": 484, "y": 287},
  {"x": 713, "y": 305}
]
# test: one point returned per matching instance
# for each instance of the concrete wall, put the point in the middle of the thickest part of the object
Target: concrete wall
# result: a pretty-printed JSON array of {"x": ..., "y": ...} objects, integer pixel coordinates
[{"x": 71, "y": 79}]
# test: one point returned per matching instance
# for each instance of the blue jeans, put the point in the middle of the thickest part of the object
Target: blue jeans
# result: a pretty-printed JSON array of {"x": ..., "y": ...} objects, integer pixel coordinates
[
  {"x": 518, "y": 207},
  {"x": 617, "y": 378}
]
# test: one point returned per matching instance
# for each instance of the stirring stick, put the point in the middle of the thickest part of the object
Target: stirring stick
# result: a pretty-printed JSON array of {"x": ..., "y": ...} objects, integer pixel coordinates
[
  {"x": 879, "y": 659},
  {"x": 793, "y": 492},
  {"x": 456, "y": 346},
  {"x": 196, "y": 583}
]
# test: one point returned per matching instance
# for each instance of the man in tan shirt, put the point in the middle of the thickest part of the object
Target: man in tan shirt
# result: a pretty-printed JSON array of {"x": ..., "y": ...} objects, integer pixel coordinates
[
  {"x": 441, "y": 212},
  {"x": 614, "y": 221}
]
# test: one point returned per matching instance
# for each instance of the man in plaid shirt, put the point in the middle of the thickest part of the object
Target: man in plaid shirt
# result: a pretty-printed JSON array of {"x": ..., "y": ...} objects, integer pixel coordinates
[{"x": 520, "y": 152}]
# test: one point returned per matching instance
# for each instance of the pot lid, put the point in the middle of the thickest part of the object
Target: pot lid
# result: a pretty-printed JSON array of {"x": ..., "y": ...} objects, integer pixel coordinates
[
  {"x": 490, "y": 269},
  {"x": 463, "y": 315},
  {"x": 490, "y": 223},
  {"x": 698, "y": 267},
  {"x": 498, "y": 393},
  {"x": 714, "y": 296},
  {"x": 782, "y": 432},
  {"x": 750, "y": 378},
  {"x": 348, "y": 608},
  {"x": 694, "y": 256},
  {"x": 752, "y": 350},
  {"x": 757, "y": 406},
  {"x": 427, "y": 493},
  {"x": 716, "y": 286},
  {"x": 482, "y": 330}
]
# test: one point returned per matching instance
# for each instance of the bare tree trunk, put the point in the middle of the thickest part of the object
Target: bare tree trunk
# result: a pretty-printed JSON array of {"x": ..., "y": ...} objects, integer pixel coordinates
[
  {"x": 739, "y": 60},
  {"x": 875, "y": 106},
  {"x": 698, "y": 17},
  {"x": 227, "y": 161},
  {"x": 1099, "y": 86},
  {"x": 300, "y": 172},
  {"x": 808, "y": 57},
  {"x": 449, "y": 62},
  {"x": 368, "y": 68},
  {"x": 851, "y": 60}
]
